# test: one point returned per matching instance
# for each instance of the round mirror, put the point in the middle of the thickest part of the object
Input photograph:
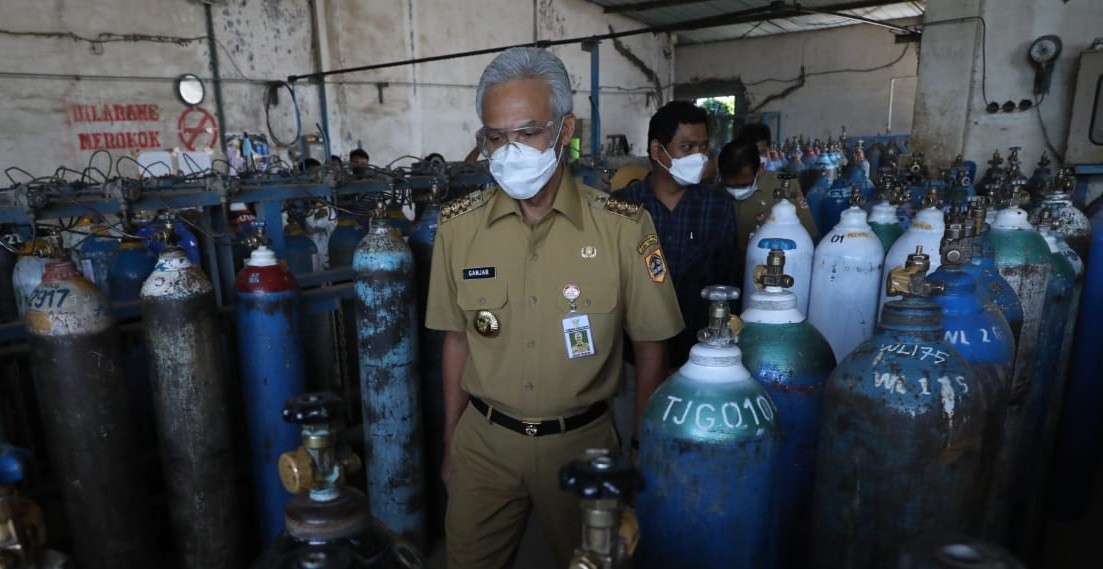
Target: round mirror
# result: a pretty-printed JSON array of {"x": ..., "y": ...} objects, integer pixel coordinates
[{"x": 190, "y": 89}]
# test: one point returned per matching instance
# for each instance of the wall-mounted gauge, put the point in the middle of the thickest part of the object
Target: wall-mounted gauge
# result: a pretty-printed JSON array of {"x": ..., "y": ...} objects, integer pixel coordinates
[{"x": 1044, "y": 53}]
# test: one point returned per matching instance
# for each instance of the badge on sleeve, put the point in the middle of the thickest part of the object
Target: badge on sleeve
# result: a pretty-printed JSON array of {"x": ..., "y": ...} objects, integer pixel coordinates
[
  {"x": 578, "y": 336},
  {"x": 646, "y": 243},
  {"x": 656, "y": 266}
]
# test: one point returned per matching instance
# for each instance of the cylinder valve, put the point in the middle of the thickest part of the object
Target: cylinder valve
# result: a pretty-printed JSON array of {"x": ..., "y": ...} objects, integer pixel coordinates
[
  {"x": 318, "y": 466},
  {"x": 773, "y": 272},
  {"x": 910, "y": 280},
  {"x": 719, "y": 330},
  {"x": 610, "y": 532}
]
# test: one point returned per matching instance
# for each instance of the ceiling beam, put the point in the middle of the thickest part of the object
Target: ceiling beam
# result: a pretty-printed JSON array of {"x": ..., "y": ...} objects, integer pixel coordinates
[
  {"x": 772, "y": 11},
  {"x": 649, "y": 5}
]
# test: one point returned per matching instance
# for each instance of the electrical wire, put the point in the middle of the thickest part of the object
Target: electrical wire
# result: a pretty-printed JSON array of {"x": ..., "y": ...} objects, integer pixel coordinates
[
  {"x": 803, "y": 76},
  {"x": 1045, "y": 132},
  {"x": 268, "y": 103},
  {"x": 107, "y": 37}
]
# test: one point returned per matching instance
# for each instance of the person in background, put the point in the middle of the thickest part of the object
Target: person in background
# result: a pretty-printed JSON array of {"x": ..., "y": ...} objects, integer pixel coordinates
[
  {"x": 310, "y": 164},
  {"x": 335, "y": 162},
  {"x": 752, "y": 187},
  {"x": 359, "y": 157},
  {"x": 534, "y": 282},
  {"x": 695, "y": 223},
  {"x": 758, "y": 134}
]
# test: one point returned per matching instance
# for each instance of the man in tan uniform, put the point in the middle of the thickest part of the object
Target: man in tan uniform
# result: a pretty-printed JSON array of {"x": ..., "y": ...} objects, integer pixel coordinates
[
  {"x": 520, "y": 271},
  {"x": 752, "y": 188}
]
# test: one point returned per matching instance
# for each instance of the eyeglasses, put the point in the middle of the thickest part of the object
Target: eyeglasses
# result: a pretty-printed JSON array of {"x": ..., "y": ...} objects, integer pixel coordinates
[{"x": 533, "y": 133}]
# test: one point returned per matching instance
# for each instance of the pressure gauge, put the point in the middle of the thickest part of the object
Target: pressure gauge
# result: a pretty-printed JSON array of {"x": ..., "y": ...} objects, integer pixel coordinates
[{"x": 1044, "y": 53}]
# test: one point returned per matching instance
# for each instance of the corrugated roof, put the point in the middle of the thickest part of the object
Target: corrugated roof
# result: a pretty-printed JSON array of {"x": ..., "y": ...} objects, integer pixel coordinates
[{"x": 721, "y": 20}]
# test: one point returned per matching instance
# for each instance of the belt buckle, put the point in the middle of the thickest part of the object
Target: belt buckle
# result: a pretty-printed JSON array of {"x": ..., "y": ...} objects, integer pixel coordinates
[{"x": 531, "y": 428}]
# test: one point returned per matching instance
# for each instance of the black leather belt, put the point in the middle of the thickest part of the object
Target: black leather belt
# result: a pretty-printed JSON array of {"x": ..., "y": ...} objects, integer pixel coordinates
[{"x": 540, "y": 428}]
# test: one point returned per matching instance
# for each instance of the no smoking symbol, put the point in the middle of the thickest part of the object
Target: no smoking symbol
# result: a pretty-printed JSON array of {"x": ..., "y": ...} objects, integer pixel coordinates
[{"x": 194, "y": 123}]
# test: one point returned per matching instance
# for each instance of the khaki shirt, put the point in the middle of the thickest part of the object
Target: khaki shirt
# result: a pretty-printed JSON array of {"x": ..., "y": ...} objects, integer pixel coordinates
[
  {"x": 753, "y": 212},
  {"x": 604, "y": 246}
]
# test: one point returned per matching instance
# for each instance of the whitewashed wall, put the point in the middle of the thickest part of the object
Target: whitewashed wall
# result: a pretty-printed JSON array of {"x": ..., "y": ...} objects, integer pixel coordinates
[
  {"x": 837, "y": 90},
  {"x": 48, "y": 79}
]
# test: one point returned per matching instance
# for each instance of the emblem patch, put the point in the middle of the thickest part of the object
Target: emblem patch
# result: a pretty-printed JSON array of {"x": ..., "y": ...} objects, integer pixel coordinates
[
  {"x": 646, "y": 243},
  {"x": 589, "y": 252},
  {"x": 470, "y": 273},
  {"x": 656, "y": 266}
]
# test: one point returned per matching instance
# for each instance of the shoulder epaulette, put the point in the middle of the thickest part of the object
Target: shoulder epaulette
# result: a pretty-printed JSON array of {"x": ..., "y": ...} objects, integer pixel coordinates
[
  {"x": 617, "y": 206},
  {"x": 460, "y": 206}
]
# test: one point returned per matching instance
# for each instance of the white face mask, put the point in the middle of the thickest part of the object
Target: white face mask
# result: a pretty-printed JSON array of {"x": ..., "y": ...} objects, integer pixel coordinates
[
  {"x": 743, "y": 192},
  {"x": 522, "y": 170},
  {"x": 687, "y": 170}
]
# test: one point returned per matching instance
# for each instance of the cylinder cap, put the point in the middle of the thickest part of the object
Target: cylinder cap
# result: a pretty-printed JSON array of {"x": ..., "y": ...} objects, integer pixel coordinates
[
  {"x": 262, "y": 257},
  {"x": 1012, "y": 218}
]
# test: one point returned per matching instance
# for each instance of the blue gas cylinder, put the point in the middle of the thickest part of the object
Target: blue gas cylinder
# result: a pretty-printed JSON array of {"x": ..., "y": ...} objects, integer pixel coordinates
[
  {"x": 12, "y": 459},
  {"x": 386, "y": 318},
  {"x": 302, "y": 254},
  {"x": 95, "y": 256},
  {"x": 788, "y": 356},
  {"x": 432, "y": 393},
  {"x": 992, "y": 287},
  {"x": 1080, "y": 432},
  {"x": 343, "y": 242},
  {"x": 901, "y": 436},
  {"x": 835, "y": 200},
  {"x": 707, "y": 456},
  {"x": 815, "y": 196},
  {"x": 982, "y": 336},
  {"x": 269, "y": 341},
  {"x": 127, "y": 270}
]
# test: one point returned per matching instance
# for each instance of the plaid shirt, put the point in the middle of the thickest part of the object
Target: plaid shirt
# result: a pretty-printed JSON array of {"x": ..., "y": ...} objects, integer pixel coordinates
[{"x": 698, "y": 241}]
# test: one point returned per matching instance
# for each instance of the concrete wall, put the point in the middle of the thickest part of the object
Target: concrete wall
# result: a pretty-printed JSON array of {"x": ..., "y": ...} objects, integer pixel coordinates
[
  {"x": 950, "y": 116},
  {"x": 58, "y": 73},
  {"x": 836, "y": 90}
]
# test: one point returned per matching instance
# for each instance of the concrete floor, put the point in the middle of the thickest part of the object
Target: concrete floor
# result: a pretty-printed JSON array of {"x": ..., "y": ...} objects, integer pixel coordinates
[{"x": 1073, "y": 544}]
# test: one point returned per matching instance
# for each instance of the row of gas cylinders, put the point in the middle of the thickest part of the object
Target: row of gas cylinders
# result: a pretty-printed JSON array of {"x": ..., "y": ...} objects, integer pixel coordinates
[
  {"x": 941, "y": 416},
  {"x": 78, "y": 363}
]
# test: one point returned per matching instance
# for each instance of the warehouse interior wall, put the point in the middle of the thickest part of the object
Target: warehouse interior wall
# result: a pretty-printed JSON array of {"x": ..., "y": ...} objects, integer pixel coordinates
[
  {"x": 79, "y": 76},
  {"x": 819, "y": 81},
  {"x": 977, "y": 48}
]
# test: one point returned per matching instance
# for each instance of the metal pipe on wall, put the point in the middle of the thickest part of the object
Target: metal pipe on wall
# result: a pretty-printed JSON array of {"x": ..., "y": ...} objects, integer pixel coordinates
[{"x": 216, "y": 76}]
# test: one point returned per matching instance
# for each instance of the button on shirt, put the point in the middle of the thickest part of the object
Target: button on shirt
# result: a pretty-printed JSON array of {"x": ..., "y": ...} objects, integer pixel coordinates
[
  {"x": 698, "y": 237},
  {"x": 524, "y": 370}
]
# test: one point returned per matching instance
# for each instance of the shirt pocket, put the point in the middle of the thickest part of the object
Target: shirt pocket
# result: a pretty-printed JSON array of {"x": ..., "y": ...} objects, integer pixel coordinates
[{"x": 487, "y": 295}]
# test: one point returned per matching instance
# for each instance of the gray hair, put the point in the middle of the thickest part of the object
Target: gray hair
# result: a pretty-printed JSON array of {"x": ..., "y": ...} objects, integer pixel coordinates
[{"x": 528, "y": 63}]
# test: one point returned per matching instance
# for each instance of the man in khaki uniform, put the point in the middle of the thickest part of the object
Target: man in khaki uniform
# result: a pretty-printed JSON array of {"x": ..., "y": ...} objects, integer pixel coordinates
[
  {"x": 752, "y": 188},
  {"x": 520, "y": 271}
]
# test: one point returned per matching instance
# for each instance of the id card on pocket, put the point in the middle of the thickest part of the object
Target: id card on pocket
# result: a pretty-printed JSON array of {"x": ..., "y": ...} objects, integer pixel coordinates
[{"x": 578, "y": 336}]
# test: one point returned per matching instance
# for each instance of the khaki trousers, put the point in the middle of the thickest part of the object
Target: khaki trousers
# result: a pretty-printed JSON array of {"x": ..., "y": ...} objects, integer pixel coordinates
[{"x": 499, "y": 476}]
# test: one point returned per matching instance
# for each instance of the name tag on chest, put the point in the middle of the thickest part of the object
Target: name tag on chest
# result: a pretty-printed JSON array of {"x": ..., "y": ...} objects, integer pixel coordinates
[{"x": 470, "y": 273}]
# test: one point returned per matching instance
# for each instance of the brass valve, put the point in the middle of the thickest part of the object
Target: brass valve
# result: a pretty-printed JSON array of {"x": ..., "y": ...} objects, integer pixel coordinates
[
  {"x": 932, "y": 199},
  {"x": 784, "y": 192},
  {"x": 910, "y": 280},
  {"x": 719, "y": 314},
  {"x": 318, "y": 465},
  {"x": 856, "y": 198}
]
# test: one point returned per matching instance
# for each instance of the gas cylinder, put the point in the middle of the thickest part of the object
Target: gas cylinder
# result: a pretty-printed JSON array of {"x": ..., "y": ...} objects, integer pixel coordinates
[
  {"x": 302, "y": 253},
  {"x": 29, "y": 268},
  {"x": 991, "y": 286},
  {"x": 329, "y": 524},
  {"x": 1043, "y": 405},
  {"x": 783, "y": 223},
  {"x": 127, "y": 270},
  {"x": 982, "y": 336},
  {"x": 1041, "y": 177},
  {"x": 790, "y": 358},
  {"x": 432, "y": 387},
  {"x": 73, "y": 237},
  {"x": 846, "y": 281},
  {"x": 9, "y": 255},
  {"x": 320, "y": 222},
  {"x": 1016, "y": 182},
  {"x": 815, "y": 197},
  {"x": 1022, "y": 259},
  {"x": 1068, "y": 219},
  {"x": 386, "y": 321},
  {"x": 925, "y": 231},
  {"x": 835, "y": 200},
  {"x": 344, "y": 241},
  {"x": 95, "y": 256},
  {"x": 1080, "y": 431},
  {"x": 707, "y": 455},
  {"x": 24, "y": 528},
  {"x": 269, "y": 340},
  {"x": 901, "y": 437},
  {"x": 885, "y": 225},
  {"x": 941, "y": 551},
  {"x": 77, "y": 364},
  {"x": 182, "y": 330}
]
